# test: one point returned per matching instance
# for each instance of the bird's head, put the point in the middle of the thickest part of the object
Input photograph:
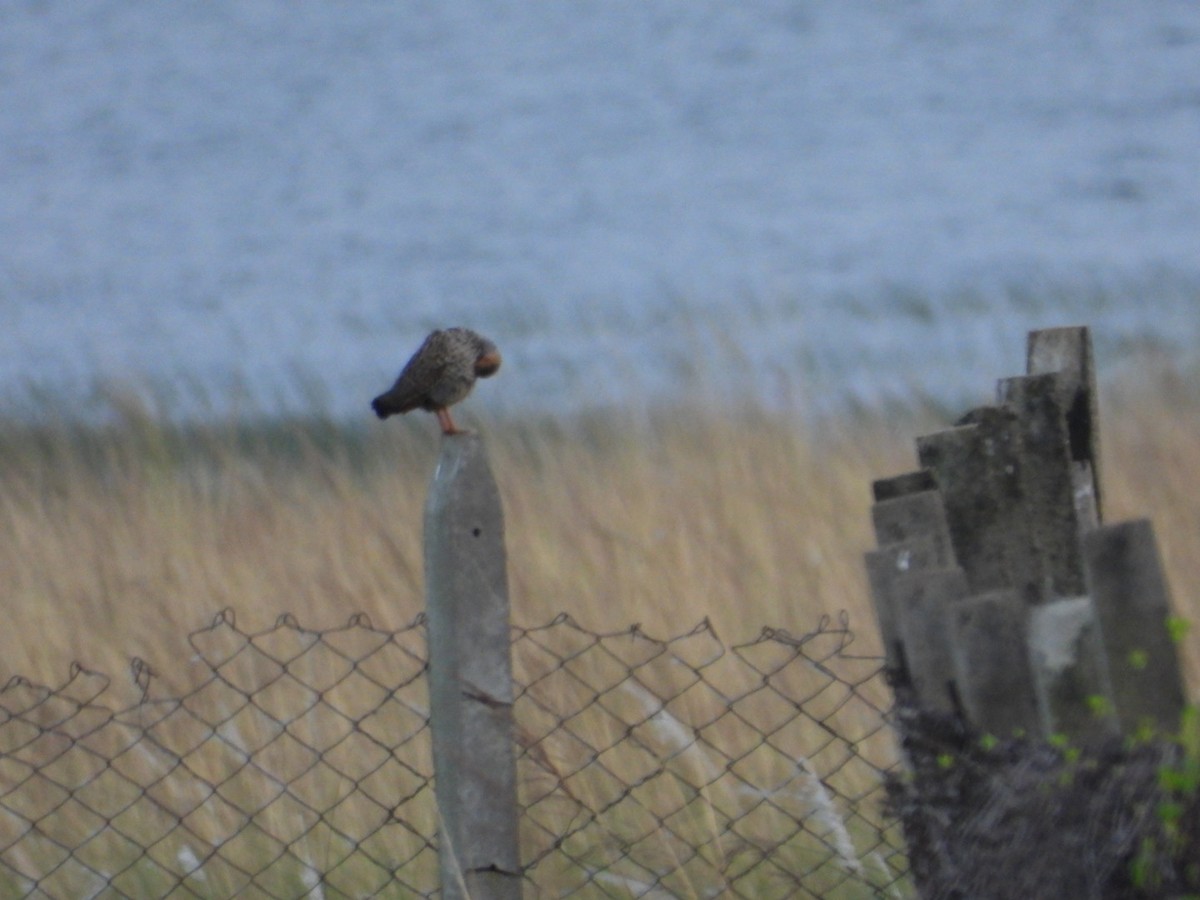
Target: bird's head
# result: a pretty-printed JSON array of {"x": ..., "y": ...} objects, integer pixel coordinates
[{"x": 487, "y": 363}]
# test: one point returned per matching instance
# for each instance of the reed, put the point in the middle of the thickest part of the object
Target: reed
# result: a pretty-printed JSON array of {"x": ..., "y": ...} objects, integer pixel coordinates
[{"x": 120, "y": 540}]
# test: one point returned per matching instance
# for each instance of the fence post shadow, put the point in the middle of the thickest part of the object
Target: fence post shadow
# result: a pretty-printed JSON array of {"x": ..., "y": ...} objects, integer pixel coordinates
[{"x": 470, "y": 677}]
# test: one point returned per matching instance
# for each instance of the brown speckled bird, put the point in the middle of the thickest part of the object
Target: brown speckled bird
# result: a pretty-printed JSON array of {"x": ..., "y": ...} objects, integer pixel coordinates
[{"x": 441, "y": 373}]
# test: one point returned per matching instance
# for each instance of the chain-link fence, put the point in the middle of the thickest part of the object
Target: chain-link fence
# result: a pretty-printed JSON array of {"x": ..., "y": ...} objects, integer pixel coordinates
[{"x": 299, "y": 765}]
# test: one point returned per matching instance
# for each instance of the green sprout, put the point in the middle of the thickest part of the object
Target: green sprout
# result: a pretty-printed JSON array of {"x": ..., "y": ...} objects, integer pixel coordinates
[{"x": 1099, "y": 705}]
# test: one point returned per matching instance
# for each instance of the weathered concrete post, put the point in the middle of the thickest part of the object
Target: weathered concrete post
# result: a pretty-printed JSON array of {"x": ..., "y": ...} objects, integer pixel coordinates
[
  {"x": 1068, "y": 351},
  {"x": 470, "y": 677},
  {"x": 1074, "y": 690},
  {"x": 913, "y": 537},
  {"x": 1047, "y": 484},
  {"x": 925, "y": 601},
  {"x": 977, "y": 467},
  {"x": 1133, "y": 606},
  {"x": 989, "y": 644},
  {"x": 884, "y": 566}
]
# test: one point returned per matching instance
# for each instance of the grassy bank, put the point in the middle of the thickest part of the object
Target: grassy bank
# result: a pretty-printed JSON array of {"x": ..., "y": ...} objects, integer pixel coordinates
[{"x": 120, "y": 540}]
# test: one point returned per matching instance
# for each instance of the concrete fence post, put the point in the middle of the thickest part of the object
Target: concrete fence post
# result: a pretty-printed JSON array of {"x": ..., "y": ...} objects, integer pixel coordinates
[
  {"x": 884, "y": 566},
  {"x": 989, "y": 645},
  {"x": 977, "y": 467},
  {"x": 1068, "y": 352},
  {"x": 910, "y": 526},
  {"x": 1074, "y": 691},
  {"x": 1133, "y": 607},
  {"x": 1045, "y": 473},
  {"x": 995, "y": 577},
  {"x": 909, "y": 516},
  {"x": 924, "y": 601},
  {"x": 470, "y": 677}
]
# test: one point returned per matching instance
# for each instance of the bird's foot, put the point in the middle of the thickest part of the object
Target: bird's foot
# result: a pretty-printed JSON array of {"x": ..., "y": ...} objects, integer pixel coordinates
[{"x": 447, "y": 423}]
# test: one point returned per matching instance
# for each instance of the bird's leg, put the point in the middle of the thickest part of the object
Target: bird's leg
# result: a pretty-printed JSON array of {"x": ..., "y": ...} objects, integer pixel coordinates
[{"x": 447, "y": 423}]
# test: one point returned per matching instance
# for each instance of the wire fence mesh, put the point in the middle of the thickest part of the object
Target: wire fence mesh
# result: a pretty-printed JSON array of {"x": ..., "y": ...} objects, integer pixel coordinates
[{"x": 299, "y": 765}]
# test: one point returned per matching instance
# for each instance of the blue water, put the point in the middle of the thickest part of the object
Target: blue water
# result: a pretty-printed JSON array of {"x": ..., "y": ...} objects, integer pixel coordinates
[{"x": 266, "y": 204}]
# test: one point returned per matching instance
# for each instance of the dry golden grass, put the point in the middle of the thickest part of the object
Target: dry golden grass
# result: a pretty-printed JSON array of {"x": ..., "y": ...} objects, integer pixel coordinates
[
  {"x": 118, "y": 542},
  {"x": 1151, "y": 447},
  {"x": 125, "y": 540}
]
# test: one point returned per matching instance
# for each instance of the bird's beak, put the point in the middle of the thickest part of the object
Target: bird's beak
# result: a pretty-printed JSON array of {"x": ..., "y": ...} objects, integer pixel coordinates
[{"x": 488, "y": 364}]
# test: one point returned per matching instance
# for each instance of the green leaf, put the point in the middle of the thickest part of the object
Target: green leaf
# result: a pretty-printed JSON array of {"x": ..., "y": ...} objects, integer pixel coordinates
[
  {"x": 1169, "y": 813},
  {"x": 1145, "y": 732},
  {"x": 1099, "y": 705},
  {"x": 1173, "y": 780}
]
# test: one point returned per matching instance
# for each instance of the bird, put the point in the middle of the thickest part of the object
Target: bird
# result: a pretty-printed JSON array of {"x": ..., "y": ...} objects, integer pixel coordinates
[{"x": 440, "y": 374}]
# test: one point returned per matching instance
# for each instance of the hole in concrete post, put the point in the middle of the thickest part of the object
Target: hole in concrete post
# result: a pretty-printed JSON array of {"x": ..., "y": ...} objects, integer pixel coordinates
[{"x": 476, "y": 532}]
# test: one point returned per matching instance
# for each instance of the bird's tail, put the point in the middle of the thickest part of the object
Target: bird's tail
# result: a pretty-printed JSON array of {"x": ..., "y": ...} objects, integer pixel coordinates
[{"x": 390, "y": 404}]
